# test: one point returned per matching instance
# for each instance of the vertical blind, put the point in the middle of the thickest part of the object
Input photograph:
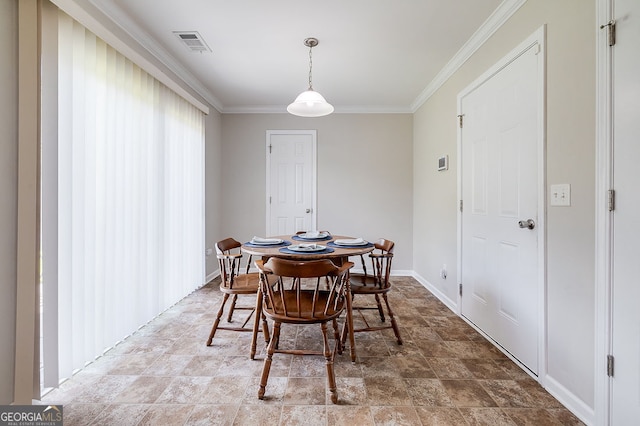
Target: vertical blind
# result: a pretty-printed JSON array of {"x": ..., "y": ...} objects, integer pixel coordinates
[{"x": 130, "y": 201}]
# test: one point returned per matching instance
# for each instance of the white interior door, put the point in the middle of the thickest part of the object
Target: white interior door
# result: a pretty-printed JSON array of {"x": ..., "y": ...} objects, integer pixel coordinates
[
  {"x": 625, "y": 306},
  {"x": 291, "y": 181},
  {"x": 500, "y": 168}
]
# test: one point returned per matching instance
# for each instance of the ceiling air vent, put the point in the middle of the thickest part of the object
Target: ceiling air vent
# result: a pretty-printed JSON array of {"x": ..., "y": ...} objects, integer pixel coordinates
[{"x": 193, "y": 40}]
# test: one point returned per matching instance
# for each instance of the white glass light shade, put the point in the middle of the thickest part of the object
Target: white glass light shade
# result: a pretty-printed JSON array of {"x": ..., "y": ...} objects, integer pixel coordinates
[{"x": 310, "y": 104}]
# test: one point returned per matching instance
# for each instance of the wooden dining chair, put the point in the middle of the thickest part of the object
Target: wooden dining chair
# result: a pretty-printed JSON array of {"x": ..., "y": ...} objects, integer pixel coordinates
[
  {"x": 374, "y": 283},
  {"x": 237, "y": 281},
  {"x": 305, "y": 304}
]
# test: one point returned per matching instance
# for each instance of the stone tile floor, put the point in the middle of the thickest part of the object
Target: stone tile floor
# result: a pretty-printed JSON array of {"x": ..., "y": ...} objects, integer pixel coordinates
[{"x": 445, "y": 373}]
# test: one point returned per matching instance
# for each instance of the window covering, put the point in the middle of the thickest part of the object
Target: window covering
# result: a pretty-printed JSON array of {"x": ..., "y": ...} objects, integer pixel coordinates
[{"x": 130, "y": 204}]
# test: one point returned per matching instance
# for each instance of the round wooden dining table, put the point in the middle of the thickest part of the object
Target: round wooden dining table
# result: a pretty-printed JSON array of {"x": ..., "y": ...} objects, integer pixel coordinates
[{"x": 336, "y": 253}]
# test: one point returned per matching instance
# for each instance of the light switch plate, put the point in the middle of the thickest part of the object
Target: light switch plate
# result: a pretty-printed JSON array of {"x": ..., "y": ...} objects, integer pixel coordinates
[
  {"x": 443, "y": 163},
  {"x": 561, "y": 195}
]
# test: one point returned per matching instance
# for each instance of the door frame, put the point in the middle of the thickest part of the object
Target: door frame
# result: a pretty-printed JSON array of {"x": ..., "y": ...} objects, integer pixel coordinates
[
  {"x": 603, "y": 219},
  {"x": 537, "y": 38},
  {"x": 314, "y": 183}
]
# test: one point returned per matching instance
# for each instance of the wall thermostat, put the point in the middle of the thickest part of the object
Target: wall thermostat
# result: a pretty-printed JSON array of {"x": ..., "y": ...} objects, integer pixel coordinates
[{"x": 443, "y": 163}]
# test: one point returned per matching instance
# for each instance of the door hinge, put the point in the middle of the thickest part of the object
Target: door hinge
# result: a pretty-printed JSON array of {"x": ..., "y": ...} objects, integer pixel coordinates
[
  {"x": 460, "y": 205},
  {"x": 611, "y": 199},
  {"x": 460, "y": 289},
  {"x": 611, "y": 29},
  {"x": 270, "y": 146},
  {"x": 610, "y": 365},
  {"x": 269, "y": 199},
  {"x": 460, "y": 120}
]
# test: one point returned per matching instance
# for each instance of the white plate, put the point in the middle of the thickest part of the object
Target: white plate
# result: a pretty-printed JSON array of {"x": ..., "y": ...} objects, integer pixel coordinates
[
  {"x": 320, "y": 236},
  {"x": 271, "y": 242},
  {"x": 306, "y": 248},
  {"x": 347, "y": 243}
]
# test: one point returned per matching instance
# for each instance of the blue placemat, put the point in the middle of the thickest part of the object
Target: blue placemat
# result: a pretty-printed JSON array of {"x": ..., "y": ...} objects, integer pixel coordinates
[
  {"x": 325, "y": 251},
  {"x": 282, "y": 244},
  {"x": 332, "y": 244},
  {"x": 310, "y": 240}
]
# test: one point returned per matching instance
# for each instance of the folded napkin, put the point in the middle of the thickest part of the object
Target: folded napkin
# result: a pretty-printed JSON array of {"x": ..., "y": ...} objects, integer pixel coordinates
[
  {"x": 261, "y": 240},
  {"x": 309, "y": 246},
  {"x": 312, "y": 234},
  {"x": 350, "y": 241}
]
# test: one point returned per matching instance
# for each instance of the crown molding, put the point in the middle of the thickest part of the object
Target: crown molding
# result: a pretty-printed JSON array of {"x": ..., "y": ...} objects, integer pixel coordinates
[
  {"x": 282, "y": 109},
  {"x": 502, "y": 13},
  {"x": 255, "y": 109},
  {"x": 499, "y": 16},
  {"x": 98, "y": 25},
  {"x": 124, "y": 22},
  {"x": 373, "y": 109}
]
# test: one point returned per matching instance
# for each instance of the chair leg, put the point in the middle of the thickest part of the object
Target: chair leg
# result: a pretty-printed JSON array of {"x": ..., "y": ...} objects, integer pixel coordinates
[
  {"x": 328, "y": 356},
  {"x": 380, "y": 310},
  {"x": 337, "y": 337},
  {"x": 349, "y": 326},
  {"x": 256, "y": 324},
  {"x": 276, "y": 344},
  {"x": 267, "y": 360},
  {"x": 265, "y": 328},
  {"x": 345, "y": 328},
  {"x": 217, "y": 321},
  {"x": 394, "y": 324},
  {"x": 232, "y": 308},
  {"x": 343, "y": 337}
]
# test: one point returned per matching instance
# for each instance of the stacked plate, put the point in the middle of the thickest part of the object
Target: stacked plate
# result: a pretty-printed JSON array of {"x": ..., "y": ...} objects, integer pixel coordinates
[
  {"x": 266, "y": 241},
  {"x": 351, "y": 242},
  {"x": 313, "y": 235},
  {"x": 308, "y": 248}
]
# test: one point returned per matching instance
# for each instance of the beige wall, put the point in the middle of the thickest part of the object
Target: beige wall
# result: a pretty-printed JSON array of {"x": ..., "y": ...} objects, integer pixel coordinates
[
  {"x": 570, "y": 159},
  {"x": 8, "y": 192},
  {"x": 364, "y": 175}
]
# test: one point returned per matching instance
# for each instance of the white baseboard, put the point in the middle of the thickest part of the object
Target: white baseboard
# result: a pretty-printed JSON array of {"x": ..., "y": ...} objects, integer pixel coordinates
[
  {"x": 436, "y": 292},
  {"x": 400, "y": 273},
  {"x": 211, "y": 276},
  {"x": 581, "y": 410},
  {"x": 574, "y": 404}
]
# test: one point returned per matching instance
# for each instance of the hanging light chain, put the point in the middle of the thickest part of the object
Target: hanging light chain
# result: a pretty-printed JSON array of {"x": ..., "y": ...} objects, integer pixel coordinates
[
  {"x": 310, "y": 66},
  {"x": 310, "y": 42}
]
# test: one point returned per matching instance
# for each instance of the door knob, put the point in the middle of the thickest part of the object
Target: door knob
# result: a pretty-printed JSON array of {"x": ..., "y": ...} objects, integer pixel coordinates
[
  {"x": 529, "y": 224},
  {"x": 308, "y": 210}
]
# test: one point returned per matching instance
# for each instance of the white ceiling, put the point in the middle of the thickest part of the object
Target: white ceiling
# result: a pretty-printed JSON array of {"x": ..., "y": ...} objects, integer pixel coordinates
[{"x": 373, "y": 55}]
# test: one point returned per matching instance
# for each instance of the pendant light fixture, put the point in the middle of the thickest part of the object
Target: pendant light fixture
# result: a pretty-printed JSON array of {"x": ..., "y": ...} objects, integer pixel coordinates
[{"x": 310, "y": 103}]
